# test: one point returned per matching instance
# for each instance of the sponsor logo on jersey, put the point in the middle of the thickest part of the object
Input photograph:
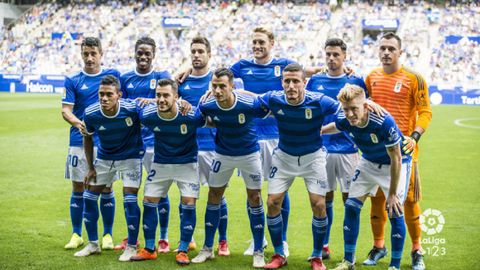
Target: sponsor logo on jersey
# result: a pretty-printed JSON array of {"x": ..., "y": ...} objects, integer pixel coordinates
[
  {"x": 153, "y": 83},
  {"x": 129, "y": 121},
  {"x": 280, "y": 112},
  {"x": 156, "y": 129},
  {"x": 130, "y": 85},
  {"x": 277, "y": 71},
  {"x": 393, "y": 134},
  {"x": 374, "y": 138},
  {"x": 320, "y": 88},
  {"x": 351, "y": 135},
  {"x": 102, "y": 128},
  {"x": 398, "y": 87},
  {"x": 241, "y": 118},
  {"x": 215, "y": 118},
  {"x": 249, "y": 72},
  {"x": 183, "y": 129},
  {"x": 308, "y": 113},
  {"x": 187, "y": 87},
  {"x": 84, "y": 87}
]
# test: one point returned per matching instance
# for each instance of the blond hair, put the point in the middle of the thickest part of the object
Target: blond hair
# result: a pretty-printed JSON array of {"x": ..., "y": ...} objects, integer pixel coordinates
[
  {"x": 350, "y": 92},
  {"x": 265, "y": 31}
]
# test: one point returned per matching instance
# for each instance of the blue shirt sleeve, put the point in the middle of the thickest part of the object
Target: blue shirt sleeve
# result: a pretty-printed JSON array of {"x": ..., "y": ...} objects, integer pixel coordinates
[
  {"x": 329, "y": 105},
  {"x": 265, "y": 98},
  {"x": 90, "y": 129},
  {"x": 164, "y": 75},
  {"x": 69, "y": 97},
  {"x": 123, "y": 88},
  {"x": 309, "y": 84},
  {"x": 342, "y": 123},
  {"x": 390, "y": 132},
  {"x": 236, "y": 68}
]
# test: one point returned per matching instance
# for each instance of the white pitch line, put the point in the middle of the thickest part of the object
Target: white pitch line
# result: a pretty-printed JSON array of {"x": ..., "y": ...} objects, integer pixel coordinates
[{"x": 459, "y": 123}]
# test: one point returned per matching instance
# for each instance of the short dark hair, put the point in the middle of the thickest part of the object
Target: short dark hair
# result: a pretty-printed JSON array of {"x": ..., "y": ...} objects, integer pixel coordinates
[
  {"x": 336, "y": 42},
  {"x": 294, "y": 67},
  {"x": 223, "y": 71},
  {"x": 390, "y": 35},
  {"x": 91, "y": 42},
  {"x": 111, "y": 80},
  {"x": 166, "y": 81},
  {"x": 146, "y": 41},
  {"x": 202, "y": 40}
]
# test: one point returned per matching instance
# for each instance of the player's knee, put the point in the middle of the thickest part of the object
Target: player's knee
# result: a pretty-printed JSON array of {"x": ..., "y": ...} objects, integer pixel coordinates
[
  {"x": 318, "y": 207},
  {"x": 274, "y": 204},
  {"x": 77, "y": 187},
  {"x": 254, "y": 198},
  {"x": 215, "y": 196},
  {"x": 188, "y": 200}
]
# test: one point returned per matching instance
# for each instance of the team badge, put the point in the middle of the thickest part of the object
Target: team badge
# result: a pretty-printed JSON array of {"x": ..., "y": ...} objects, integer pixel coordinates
[
  {"x": 183, "y": 129},
  {"x": 129, "y": 121},
  {"x": 374, "y": 138},
  {"x": 308, "y": 113},
  {"x": 241, "y": 118},
  {"x": 277, "y": 71},
  {"x": 153, "y": 84},
  {"x": 398, "y": 87}
]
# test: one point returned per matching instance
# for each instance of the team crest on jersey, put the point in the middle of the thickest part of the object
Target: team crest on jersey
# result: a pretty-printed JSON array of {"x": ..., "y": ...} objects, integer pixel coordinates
[
  {"x": 129, "y": 121},
  {"x": 153, "y": 84},
  {"x": 277, "y": 71},
  {"x": 241, "y": 118},
  {"x": 183, "y": 129},
  {"x": 308, "y": 113},
  {"x": 374, "y": 138},
  {"x": 398, "y": 87}
]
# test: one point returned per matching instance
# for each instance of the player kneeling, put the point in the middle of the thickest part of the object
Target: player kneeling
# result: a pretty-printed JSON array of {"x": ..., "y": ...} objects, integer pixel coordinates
[
  {"x": 175, "y": 159},
  {"x": 382, "y": 166},
  {"x": 117, "y": 125}
]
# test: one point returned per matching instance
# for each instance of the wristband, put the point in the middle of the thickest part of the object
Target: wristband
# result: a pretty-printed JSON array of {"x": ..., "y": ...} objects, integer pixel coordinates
[{"x": 416, "y": 136}]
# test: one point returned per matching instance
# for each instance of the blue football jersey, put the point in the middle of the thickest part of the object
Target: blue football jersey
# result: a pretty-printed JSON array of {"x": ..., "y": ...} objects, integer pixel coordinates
[
  {"x": 191, "y": 90},
  {"x": 299, "y": 125},
  {"x": 136, "y": 85},
  {"x": 259, "y": 79},
  {"x": 236, "y": 134},
  {"x": 119, "y": 135},
  {"x": 372, "y": 139},
  {"x": 330, "y": 86},
  {"x": 81, "y": 91},
  {"x": 175, "y": 139}
]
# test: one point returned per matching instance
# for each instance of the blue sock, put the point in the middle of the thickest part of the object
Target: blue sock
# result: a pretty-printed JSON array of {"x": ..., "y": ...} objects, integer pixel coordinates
[
  {"x": 257, "y": 225},
  {"x": 132, "y": 214},
  {"x": 329, "y": 209},
  {"x": 76, "y": 212},
  {"x": 319, "y": 230},
  {"x": 107, "y": 208},
  {"x": 150, "y": 221},
  {"x": 285, "y": 215},
  {"x": 275, "y": 225},
  {"x": 187, "y": 226},
  {"x": 212, "y": 218},
  {"x": 163, "y": 216},
  {"x": 90, "y": 214},
  {"x": 222, "y": 226},
  {"x": 351, "y": 225},
  {"x": 398, "y": 240}
]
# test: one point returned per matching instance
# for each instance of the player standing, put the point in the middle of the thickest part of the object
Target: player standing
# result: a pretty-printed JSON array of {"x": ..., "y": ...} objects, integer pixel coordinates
[
  {"x": 141, "y": 83},
  {"x": 81, "y": 90},
  {"x": 116, "y": 123},
  {"x": 342, "y": 157},
  {"x": 236, "y": 147},
  {"x": 175, "y": 160},
  {"x": 404, "y": 93},
  {"x": 382, "y": 166}
]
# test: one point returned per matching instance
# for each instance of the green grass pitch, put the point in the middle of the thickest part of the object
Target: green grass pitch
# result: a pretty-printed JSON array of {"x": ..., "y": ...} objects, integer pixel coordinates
[{"x": 35, "y": 224}]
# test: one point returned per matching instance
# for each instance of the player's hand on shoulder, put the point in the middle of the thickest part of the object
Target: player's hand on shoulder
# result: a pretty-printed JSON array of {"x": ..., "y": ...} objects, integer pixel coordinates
[
  {"x": 349, "y": 71},
  {"x": 376, "y": 108},
  {"x": 182, "y": 75},
  {"x": 205, "y": 96},
  {"x": 142, "y": 102},
  {"x": 184, "y": 107}
]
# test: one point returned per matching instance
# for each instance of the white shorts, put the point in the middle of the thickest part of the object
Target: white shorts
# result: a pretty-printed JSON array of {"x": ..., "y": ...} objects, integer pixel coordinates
[
  {"x": 250, "y": 167},
  {"x": 76, "y": 167},
  {"x": 266, "y": 150},
  {"x": 369, "y": 176},
  {"x": 129, "y": 170},
  {"x": 148, "y": 159},
  {"x": 286, "y": 167},
  {"x": 205, "y": 159},
  {"x": 162, "y": 176},
  {"x": 340, "y": 167}
]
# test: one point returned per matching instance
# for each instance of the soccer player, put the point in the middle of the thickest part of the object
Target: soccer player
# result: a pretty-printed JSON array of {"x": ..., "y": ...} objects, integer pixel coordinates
[
  {"x": 342, "y": 155},
  {"x": 141, "y": 83},
  {"x": 175, "y": 160},
  {"x": 81, "y": 90},
  {"x": 236, "y": 146},
  {"x": 116, "y": 123},
  {"x": 300, "y": 152},
  {"x": 191, "y": 90},
  {"x": 404, "y": 93},
  {"x": 381, "y": 166}
]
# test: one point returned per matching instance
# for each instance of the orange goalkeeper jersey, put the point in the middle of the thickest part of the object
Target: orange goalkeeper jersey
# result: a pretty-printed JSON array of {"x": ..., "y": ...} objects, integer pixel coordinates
[{"x": 404, "y": 94}]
